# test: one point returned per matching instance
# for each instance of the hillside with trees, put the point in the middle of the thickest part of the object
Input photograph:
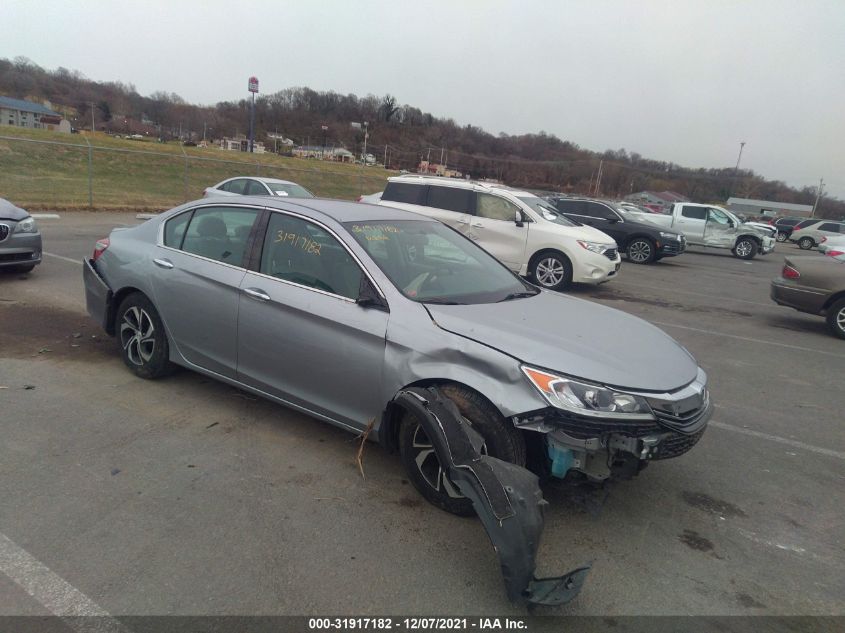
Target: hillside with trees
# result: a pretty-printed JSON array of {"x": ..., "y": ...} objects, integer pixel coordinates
[{"x": 401, "y": 135}]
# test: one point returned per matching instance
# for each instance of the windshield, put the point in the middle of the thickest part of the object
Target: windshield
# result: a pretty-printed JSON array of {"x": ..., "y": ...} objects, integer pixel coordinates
[
  {"x": 289, "y": 189},
  {"x": 547, "y": 211},
  {"x": 431, "y": 263}
]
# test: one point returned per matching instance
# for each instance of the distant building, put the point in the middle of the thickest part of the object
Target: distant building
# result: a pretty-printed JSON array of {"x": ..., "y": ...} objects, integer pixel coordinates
[
  {"x": 438, "y": 170},
  {"x": 662, "y": 199},
  {"x": 769, "y": 208},
  {"x": 241, "y": 144},
  {"x": 20, "y": 113},
  {"x": 338, "y": 154}
]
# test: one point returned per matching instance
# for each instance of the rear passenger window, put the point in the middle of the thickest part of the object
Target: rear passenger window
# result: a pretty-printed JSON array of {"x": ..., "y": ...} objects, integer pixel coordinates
[
  {"x": 220, "y": 233},
  {"x": 829, "y": 227},
  {"x": 174, "y": 230},
  {"x": 576, "y": 207},
  {"x": 449, "y": 198},
  {"x": 694, "y": 213},
  {"x": 301, "y": 252},
  {"x": 404, "y": 192},
  {"x": 255, "y": 188},
  {"x": 236, "y": 186}
]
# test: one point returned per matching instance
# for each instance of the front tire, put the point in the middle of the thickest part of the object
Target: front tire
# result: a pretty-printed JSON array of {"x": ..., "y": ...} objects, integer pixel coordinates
[
  {"x": 806, "y": 243},
  {"x": 501, "y": 440},
  {"x": 551, "y": 270},
  {"x": 836, "y": 318},
  {"x": 143, "y": 341},
  {"x": 642, "y": 250},
  {"x": 746, "y": 248}
]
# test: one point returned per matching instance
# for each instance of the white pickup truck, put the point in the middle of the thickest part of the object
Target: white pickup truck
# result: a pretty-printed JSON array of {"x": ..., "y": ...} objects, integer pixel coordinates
[{"x": 707, "y": 225}]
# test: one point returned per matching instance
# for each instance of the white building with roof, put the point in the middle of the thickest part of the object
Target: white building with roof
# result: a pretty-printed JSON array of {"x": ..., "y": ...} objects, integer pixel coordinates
[
  {"x": 769, "y": 208},
  {"x": 21, "y": 113}
]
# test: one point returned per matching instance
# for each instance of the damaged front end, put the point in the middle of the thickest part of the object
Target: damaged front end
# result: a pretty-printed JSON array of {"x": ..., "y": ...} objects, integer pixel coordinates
[{"x": 506, "y": 497}]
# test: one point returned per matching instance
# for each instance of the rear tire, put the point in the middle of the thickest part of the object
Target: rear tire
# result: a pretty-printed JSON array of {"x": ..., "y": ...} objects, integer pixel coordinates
[
  {"x": 806, "y": 243},
  {"x": 641, "y": 250},
  {"x": 836, "y": 318},
  {"x": 142, "y": 339},
  {"x": 781, "y": 237},
  {"x": 745, "y": 248},
  {"x": 501, "y": 440},
  {"x": 551, "y": 270}
]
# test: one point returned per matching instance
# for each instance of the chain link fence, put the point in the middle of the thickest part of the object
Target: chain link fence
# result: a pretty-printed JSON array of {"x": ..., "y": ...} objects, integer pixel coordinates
[{"x": 99, "y": 174}]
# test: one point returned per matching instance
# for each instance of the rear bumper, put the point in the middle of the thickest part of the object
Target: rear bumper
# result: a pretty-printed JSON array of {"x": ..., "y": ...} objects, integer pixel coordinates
[
  {"x": 802, "y": 299},
  {"x": 98, "y": 296},
  {"x": 20, "y": 249}
]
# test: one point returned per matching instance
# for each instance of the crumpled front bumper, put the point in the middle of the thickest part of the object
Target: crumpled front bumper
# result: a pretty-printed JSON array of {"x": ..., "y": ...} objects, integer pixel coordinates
[{"x": 506, "y": 497}]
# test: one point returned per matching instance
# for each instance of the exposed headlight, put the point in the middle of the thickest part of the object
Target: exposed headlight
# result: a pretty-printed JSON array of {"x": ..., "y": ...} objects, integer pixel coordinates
[
  {"x": 670, "y": 236},
  {"x": 27, "y": 225},
  {"x": 583, "y": 398},
  {"x": 595, "y": 247}
]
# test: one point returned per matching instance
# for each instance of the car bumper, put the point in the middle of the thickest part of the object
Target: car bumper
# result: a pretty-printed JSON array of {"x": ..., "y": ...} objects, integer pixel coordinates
[
  {"x": 98, "y": 296},
  {"x": 20, "y": 249},
  {"x": 767, "y": 245},
  {"x": 786, "y": 293},
  {"x": 595, "y": 268},
  {"x": 671, "y": 248}
]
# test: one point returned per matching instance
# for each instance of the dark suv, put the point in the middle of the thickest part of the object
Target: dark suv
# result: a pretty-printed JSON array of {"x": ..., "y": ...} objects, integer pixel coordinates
[
  {"x": 643, "y": 242},
  {"x": 785, "y": 226}
]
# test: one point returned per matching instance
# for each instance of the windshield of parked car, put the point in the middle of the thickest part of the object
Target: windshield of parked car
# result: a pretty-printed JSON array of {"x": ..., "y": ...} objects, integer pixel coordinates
[
  {"x": 431, "y": 263},
  {"x": 289, "y": 189},
  {"x": 548, "y": 211}
]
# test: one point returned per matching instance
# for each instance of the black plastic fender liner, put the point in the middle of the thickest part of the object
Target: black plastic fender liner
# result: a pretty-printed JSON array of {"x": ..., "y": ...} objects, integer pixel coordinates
[{"x": 506, "y": 497}]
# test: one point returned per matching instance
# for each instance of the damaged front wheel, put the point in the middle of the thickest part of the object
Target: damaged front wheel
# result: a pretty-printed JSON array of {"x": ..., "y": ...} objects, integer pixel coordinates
[{"x": 501, "y": 440}]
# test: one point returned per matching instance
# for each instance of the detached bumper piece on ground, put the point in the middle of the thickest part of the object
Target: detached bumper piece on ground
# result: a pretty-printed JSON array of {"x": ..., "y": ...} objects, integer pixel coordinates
[{"x": 506, "y": 497}]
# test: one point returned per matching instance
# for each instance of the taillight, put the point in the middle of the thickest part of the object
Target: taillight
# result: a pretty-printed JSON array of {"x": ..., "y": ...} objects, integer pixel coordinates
[
  {"x": 835, "y": 253},
  {"x": 823, "y": 240},
  {"x": 361, "y": 197},
  {"x": 100, "y": 248},
  {"x": 797, "y": 228},
  {"x": 789, "y": 272}
]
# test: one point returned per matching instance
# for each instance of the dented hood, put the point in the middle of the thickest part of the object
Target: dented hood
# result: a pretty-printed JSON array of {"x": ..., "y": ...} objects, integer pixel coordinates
[
  {"x": 575, "y": 337},
  {"x": 8, "y": 211}
]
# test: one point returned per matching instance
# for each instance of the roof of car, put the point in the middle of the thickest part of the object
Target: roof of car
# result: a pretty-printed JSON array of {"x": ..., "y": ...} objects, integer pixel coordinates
[
  {"x": 338, "y": 210},
  {"x": 457, "y": 182},
  {"x": 262, "y": 179}
]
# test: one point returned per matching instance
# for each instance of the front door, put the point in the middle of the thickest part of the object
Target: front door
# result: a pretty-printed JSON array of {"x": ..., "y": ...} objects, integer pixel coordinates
[
  {"x": 494, "y": 228},
  {"x": 719, "y": 230},
  {"x": 198, "y": 273},
  {"x": 301, "y": 335}
]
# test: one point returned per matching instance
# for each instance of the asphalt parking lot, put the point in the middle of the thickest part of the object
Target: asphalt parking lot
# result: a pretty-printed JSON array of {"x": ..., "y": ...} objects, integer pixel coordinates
[{"x": 185, "y": 496}]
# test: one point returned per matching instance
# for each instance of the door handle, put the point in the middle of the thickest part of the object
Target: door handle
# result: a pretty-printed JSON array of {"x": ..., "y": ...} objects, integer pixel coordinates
[
  {"x": 257, "y": 294},
  {"x": 163, "y": 263},
  {"x": 478, "y": 225},
  {"x": 460, "y": 221}
]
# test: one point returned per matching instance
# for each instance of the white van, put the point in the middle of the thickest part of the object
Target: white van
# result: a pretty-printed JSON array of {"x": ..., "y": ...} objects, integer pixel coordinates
[{"x": 521, "y": 230}]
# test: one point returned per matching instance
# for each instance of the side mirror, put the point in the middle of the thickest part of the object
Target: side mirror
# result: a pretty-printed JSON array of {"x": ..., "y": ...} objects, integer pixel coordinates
[
  {"x": 519, "y": 219},
  {"x": 731, "y": 223},
  {"x": 614, "y": 219},
  {"x": 368, "y": 296}
]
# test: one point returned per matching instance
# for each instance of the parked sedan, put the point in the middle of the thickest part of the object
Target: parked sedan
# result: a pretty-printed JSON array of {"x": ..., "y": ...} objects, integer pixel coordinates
[
  {"x": 20, "y": 240},
  {"x": 815, "y": 285},
  {"x": 255, "y": 186}
]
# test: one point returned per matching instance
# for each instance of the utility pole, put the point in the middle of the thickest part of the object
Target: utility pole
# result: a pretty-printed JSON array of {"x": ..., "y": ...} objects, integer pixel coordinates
[
  {"x": 253, "y": 88},
  {"x": 366, "y": 134},
  {"x": 818, "y": 196},
  {"x": 441, "y": 155},
  {"x": 598, "y": 176},
  {"x": 739, "y": 158},
  {"x": 385, "y": 156},
  {"x": 92, "y": 118}
]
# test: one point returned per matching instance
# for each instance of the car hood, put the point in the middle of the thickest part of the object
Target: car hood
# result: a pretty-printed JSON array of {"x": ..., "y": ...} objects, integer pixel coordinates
[
  {"x": 575, "y": 337},
  {"x": 8, "y": 211},
  {"x": 583, "y": 232}
]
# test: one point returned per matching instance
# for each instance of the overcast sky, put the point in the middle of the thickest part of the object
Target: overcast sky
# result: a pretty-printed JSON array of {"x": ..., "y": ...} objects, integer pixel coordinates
[{"x": 676, "y": 81}]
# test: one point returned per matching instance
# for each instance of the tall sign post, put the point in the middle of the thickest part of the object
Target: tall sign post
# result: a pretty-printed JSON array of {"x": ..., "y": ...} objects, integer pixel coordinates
[{"x": 253, "y": 88}]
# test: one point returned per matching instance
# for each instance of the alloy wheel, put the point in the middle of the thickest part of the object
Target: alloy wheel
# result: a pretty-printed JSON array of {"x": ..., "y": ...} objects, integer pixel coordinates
[
  {"x": 137, "y": 335},
  {"x": 550, "y": 272},
  {"x": 840, "y": 320},
  {"x": 639, "y": 251},
  {"x": 781, "y": 236},
  {"x": 744, "y": 248},
  {"x": 429, "y": 464}
]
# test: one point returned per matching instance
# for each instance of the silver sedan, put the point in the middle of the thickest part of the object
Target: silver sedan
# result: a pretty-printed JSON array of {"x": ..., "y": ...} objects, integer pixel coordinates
[
  {"x": 257, "y": 186},
  {"x": 20, "y": 239},
  {"x": 334, "y": 308}
]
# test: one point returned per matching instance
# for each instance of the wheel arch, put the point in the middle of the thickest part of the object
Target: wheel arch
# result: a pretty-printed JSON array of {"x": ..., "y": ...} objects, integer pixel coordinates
[
  {"x": 114, "y": 304},
  {"x": 836, "y": 296},
  {"x": 388, "y": 432},
  {"x": 551, "y": 250}
]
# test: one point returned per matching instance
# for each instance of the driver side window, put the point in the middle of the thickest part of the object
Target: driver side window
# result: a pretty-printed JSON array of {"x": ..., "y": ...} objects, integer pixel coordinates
[
  {"x": 495, "y": 208},
  {"x": 303, "y": 253},
  {"x": 717, "y": 216}
]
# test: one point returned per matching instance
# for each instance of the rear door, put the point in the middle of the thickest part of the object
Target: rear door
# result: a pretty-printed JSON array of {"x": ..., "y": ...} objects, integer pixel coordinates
[
  {"x": 301, "y": 335},
  {"x": 494, "y": 228},
  {"x": 451, "y": 205},
  {"x": 692, "y": 221},
  {"x": 200, "y": 262}
]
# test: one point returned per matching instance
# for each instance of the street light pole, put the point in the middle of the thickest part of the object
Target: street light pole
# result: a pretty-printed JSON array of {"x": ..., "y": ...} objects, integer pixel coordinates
[
  {"x": 818, "y": 196},
  {"x": 364, "y": 157},
  {"x": 739, "y": 158}
]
